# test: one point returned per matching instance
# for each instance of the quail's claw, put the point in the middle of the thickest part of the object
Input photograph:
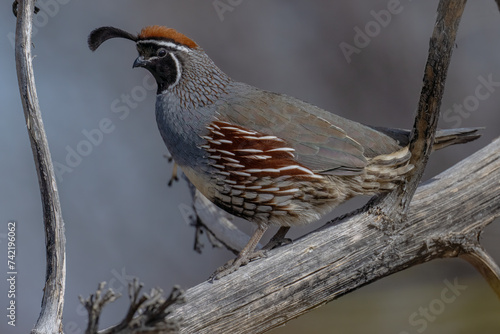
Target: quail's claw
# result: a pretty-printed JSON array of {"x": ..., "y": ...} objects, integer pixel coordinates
[{"x": 234, "y": 264}]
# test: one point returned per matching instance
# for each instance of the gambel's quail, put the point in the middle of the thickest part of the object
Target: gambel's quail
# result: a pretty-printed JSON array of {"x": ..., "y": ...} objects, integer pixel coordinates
[{"x": 266, "y": 157}]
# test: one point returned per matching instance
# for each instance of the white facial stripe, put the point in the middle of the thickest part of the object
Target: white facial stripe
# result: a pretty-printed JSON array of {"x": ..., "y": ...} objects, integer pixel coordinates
[
  {"x": 179, "y": 69},
  {"x": 166, "y": 44}
]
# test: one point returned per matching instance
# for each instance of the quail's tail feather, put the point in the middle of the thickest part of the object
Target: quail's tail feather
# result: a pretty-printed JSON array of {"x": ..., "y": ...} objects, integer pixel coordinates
[
  {"x": 447, "y": 137},
  {"x": 443, "y": 138}
]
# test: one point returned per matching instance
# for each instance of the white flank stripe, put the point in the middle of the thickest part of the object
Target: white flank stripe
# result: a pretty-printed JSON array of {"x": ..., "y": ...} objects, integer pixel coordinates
[
  {"x": 265, "y": 170},
  {"x": 282, "y": 149},
  {"x": 258, "y": 157},
  {"x": 231, "y": 160},
  {"x": 271, "y": 189},
  {"x": 271, "y": 170},
  {"x": 234, "y": 165},
  {"x": 253, "y": 170},
  {"x": 293, "y": 190},
  {"x": 245, "y": 132},
  {"x": 263, "y": 138},
  {"x": 297, "y": 167},
  {"x": 226, "y": 152},
  {"x": 240, "y": 173},
  {"x": 229, "y": 128},
  {"x": 217, "y": 166},
  {"x": 250, "y": 150}
]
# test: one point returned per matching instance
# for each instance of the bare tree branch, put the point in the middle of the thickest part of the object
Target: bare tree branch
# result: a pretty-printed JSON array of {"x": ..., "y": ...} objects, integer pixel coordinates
[
  {"x": 50, "y": 319},
  {"x": 146, "y": 313},
  {"x": 484, "y": 263},
  {"x": 95, "y": 303},
  {"x": 441, "y": 45}
]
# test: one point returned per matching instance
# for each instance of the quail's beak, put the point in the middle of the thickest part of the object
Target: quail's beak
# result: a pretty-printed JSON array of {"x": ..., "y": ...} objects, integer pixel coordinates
[{"x": 140, "y": 62}]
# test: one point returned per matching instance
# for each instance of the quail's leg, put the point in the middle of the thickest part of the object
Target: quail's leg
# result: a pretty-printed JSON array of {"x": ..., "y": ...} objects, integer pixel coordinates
[
  {"x": 174, "y": 175},
  {"x": 244, "y": 257},
  {"x": 278, "y": 239}
]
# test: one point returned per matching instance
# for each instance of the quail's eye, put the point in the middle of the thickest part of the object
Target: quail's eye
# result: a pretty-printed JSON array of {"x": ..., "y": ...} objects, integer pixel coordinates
[{"x": 162, "y": 53}]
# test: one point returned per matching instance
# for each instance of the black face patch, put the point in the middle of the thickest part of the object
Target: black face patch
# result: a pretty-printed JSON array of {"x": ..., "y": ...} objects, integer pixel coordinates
[
  {"x": 161, "y": 63},
  {"x": 165, "y": 71}
]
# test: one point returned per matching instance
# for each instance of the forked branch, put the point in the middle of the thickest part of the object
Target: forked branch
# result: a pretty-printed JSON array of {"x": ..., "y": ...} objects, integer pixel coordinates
[
  {"x": 146, "y": 314},
  {"x": 476, "y": 255}
]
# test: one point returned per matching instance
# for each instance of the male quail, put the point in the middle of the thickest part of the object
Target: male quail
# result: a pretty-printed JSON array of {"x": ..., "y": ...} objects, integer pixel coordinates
[{"x": 269, "y": 158}]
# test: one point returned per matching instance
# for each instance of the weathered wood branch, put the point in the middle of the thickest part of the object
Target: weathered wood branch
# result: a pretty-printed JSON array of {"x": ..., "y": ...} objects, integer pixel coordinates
[
  {"x": 396, "y": 204},
  {"x": 476, "y": 255},
  {"x": 50, "y": 319},
  {"x": 445, "y": 218}
]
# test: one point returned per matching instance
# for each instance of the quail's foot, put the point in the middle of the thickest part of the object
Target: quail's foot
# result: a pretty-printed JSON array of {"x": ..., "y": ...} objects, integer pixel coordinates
[
  {"x": 174, "y": 176},
  {"x": 278, "y": 239},
  {"x": 234, "y": 264}
]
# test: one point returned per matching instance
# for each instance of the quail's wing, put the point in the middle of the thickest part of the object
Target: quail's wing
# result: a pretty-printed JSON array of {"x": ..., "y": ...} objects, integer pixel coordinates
[{"x": 318, "y": 138}]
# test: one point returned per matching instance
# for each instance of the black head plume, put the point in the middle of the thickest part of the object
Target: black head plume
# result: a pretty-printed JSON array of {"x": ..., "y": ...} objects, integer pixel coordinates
[{"x": 100, "y": 35}]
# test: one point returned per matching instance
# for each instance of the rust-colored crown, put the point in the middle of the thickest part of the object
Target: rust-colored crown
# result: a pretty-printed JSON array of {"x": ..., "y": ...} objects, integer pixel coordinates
[{"x": 167, "y": 33}]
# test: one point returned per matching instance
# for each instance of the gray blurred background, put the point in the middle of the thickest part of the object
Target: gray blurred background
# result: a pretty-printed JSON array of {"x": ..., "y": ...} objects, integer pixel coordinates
[{"x": 121, "y": 218}]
